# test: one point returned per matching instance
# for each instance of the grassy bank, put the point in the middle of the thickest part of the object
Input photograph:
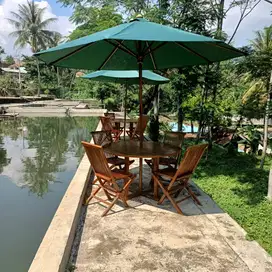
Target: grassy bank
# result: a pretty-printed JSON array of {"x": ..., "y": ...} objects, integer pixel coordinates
[{"x": 239, "y": 187}]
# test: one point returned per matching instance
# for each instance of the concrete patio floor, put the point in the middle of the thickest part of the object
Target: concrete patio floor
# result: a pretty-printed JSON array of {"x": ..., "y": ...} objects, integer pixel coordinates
[{"x": 148, "y": 237}]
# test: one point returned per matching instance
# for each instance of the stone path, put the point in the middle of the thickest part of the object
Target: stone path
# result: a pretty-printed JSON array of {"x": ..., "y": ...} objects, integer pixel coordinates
[{"x": 148, "y": 237}]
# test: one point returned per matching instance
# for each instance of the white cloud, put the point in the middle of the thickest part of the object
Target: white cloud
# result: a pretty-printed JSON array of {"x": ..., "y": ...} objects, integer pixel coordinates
[
  {"x": 62, "y": 25},
  {"x": 257, "y": 20}
]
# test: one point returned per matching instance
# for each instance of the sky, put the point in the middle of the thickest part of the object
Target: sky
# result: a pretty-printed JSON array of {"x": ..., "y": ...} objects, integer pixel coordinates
[{"x": 257, "y": 20}]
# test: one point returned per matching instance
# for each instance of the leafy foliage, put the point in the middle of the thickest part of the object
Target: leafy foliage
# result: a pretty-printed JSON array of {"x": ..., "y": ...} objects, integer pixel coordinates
[
  {"x": 245, "y": 188},
  {"x": 93, "y": 19},
  {"x": 9, "y": 60}
]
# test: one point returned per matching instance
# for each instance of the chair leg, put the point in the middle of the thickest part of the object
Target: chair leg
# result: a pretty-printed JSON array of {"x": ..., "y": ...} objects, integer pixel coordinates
[
  {"x": 126, "y": 187},
  {"x": 168, "y": 188},
  {"x": 105, "y": 191},
  {"x": 166, "y": 194},
  {"x": 124, "y": 199},
  {"x": 91, "y": 196},
  {"x": 193, "y": 195},
  {"x": 110, "y": 206}
]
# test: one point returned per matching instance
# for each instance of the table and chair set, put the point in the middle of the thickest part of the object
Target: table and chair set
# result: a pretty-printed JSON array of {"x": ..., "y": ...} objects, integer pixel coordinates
[{"x": 111, "y": 158}]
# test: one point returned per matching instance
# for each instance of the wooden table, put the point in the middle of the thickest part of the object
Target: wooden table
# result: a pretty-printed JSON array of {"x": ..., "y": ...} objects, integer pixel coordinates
[
  {"x": 135, "y": 149},
  {"x": 131, "y": 122}
]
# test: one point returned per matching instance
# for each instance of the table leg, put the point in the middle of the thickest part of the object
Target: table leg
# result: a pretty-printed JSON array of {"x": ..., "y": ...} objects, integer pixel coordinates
[
  {"x": 126, "y": 165},
  {"x": 155, "y": 169},
  {"x": 140, "y": 176},
  {"x": 117, "y": 125},
  {"x": 131, "y": 128}
]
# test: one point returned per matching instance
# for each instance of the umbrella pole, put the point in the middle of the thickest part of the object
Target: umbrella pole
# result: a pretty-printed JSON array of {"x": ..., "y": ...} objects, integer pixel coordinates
[
  {"x": 141, "y": 98},
  {"x": 141, "y": 117},
  {"x": 125, "y": 112}
]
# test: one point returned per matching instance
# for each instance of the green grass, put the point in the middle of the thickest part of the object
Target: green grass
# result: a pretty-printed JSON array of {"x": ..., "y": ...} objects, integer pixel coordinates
[{"x": 239, "y": 187}]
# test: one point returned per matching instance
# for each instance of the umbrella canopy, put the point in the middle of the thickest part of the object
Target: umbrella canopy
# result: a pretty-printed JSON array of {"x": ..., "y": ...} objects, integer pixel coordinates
[
  {"x": 126, "y": 77},
  {"x": 138, "y": 44},
  {"x": 155, "y": 46}
]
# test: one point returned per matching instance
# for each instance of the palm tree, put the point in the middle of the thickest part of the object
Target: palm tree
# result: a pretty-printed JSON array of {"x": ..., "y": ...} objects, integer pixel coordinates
[
  {"x": 31, "y": 29},
  {"x": 263, "y": 40},
  {"x": 262, "y": 45},
  {"x": 56, "y": 40}
]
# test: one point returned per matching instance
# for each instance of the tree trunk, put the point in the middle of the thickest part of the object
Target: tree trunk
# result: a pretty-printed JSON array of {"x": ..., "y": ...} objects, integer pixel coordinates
[
  {"x": 58, "y": 77},
  {"x": 269, "y": 193},
  {"x": 200, "y": 121},
  {"x": 180, "y": 115},
  {"x": 156, "y": 103},
  {"x": 39, "y": 77},
  {"x": 266, "y": 119},
  {"x": 154, "y": 122},
  {"x": 72, "y": 80},
  {"x": 220, "y": 19},
  {"x": 20, "y": 81}
]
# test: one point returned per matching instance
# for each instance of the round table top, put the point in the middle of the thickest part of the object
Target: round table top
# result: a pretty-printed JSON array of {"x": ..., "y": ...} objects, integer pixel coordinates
[
  {"x": 122, "y": 120},
  {"x": 148, "y": 149}
]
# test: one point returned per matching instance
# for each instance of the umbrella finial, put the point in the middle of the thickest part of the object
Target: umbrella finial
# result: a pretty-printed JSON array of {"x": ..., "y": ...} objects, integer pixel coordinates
[{"x": 139, "y": 15}]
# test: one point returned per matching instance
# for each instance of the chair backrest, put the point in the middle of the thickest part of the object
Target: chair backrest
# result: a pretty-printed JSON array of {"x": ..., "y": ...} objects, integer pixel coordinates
[
  {"x": 174, "y": 138},
  {"x": 102, "y": 138},
  {"x": 138, "y": 127},
  {"x": 111, "y": 115},
  {"x": 98, "y": 160},
  {"x": 106, "y": 123},
  {"x": 190, "y": 160}
]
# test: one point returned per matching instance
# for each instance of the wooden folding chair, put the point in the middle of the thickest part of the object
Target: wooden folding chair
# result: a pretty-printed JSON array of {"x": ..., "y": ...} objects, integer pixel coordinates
[
  {"x": 136, "y": 133},
  {"x": 104, "y": 138},
  {"x": 179, "y": 178},
  {"x": 107, "y": 126},
  {"x": 111, "y": 115},
  {"x": 106, "y": 178},
  {"x": 174, "y": 139}
]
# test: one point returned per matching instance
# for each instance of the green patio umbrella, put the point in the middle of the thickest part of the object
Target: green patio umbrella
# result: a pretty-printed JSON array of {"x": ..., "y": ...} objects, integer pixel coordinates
[
  {"x": 127, "y": 78},
  {"x": 137, "y": 45}
]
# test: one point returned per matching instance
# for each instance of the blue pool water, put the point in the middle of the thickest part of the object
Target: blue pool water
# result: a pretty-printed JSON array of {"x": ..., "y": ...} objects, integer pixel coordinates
[{"x": 185, "y": 128}]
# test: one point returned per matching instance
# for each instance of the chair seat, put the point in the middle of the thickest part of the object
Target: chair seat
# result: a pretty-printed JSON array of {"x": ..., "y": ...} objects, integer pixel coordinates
[
  {"x": 120, "y": 174},
  {"x": 162, "y": 161},
  {"x": 168, "y": 172},
  {"x": 167, "y": 161},
  {"x": 118, "y": 161}
]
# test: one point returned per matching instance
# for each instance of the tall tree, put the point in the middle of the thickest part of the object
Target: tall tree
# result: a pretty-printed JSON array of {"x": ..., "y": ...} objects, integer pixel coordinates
[
  {"x": 93, "y": 19},
  {"x": 257, "y": 69},
  {"x": 262, "y": 44},
  {"x": 55, "y": 40},
  {"x": 2, "y": 51},
  {"x": 9, "y": 60},
  {"x": 31, "y": 28}
]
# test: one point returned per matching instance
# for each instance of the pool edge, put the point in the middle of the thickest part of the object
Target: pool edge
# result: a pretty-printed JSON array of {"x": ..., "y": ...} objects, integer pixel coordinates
[{"x": 54, "y": 250}]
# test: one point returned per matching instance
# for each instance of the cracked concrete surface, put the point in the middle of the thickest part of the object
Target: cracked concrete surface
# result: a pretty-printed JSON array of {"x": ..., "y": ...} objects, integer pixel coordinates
[{"x": 148, "y": 237}]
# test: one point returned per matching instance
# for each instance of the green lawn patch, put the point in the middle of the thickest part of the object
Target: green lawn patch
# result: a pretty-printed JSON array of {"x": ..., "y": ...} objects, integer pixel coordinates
[{"x": 239, "y": 187}]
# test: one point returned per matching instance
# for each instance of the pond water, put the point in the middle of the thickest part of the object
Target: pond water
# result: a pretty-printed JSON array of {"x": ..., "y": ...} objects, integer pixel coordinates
[{"x": 38, "y": 159}]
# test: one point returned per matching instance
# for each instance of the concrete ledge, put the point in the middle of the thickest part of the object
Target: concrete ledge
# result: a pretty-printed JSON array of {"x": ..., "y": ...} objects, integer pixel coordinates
[{"x": 54, "y": 250}]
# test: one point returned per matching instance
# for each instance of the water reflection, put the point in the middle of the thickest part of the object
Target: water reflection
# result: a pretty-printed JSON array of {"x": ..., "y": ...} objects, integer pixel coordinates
[
  {"x": 4, "y": 161},
  {"x": 38, "y": 159},
  {"x": 43, "y": 145}
]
